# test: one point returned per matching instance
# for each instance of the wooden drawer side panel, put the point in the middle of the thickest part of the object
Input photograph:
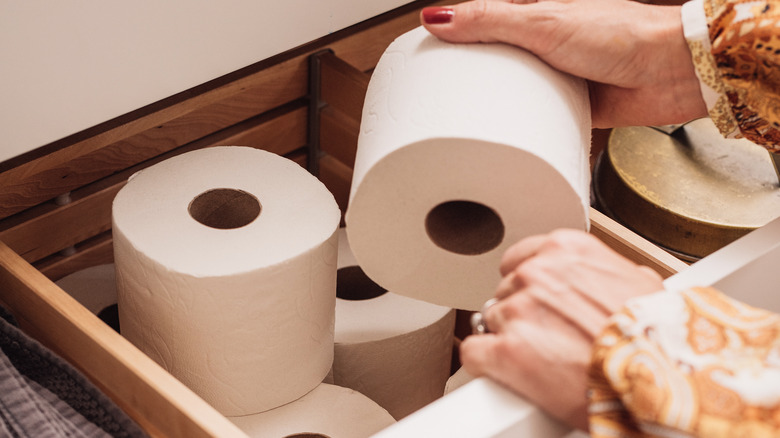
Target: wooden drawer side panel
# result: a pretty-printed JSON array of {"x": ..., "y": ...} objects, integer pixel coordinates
[
  {"x": 88, "y": 161},
  {"x": 632, "y": 246},
  {"x": 48, "y": 228},
  {"x": 157, "y": 401}
]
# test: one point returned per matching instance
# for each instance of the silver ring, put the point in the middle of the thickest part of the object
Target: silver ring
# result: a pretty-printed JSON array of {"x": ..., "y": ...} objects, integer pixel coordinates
[{"x": 478, "y": 322}]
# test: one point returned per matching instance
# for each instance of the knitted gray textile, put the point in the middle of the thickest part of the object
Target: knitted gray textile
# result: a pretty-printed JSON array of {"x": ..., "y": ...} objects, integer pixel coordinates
[{"x": 41, "y": 395}]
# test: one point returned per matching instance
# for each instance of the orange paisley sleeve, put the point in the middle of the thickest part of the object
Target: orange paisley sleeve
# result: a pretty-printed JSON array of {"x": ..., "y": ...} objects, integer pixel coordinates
[
  {"x": 695, "y": 363},
  {"x": 744, "y": 57}
]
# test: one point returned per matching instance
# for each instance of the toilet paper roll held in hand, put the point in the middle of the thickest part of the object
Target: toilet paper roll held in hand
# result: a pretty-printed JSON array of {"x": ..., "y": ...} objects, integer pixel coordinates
[
  {"x": 463, "y": 150},
  {"x": 225, "y": 260}
]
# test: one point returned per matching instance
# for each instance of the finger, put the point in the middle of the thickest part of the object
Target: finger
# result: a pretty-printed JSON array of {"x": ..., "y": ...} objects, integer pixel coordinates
[
  {"x": 509, "y": 284},
  {"x": 512, "y": 358},
  {"x": 545, "y": 364},
  {"x": 571, "y": 260},
  {"x": 501, "y": 357},
  {"x": 505, "y": 311},
  {"x": 579, "y": 311},
  {"x": 537, "y": 283},
  {"x": 521, "y": 251},
  {"x": 478, "y": 353},
  {"x": 533, "y": 28}
]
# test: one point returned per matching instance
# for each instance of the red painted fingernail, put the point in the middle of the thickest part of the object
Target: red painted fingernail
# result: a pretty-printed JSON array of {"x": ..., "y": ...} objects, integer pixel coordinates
[{"x": 437, "y": 15}]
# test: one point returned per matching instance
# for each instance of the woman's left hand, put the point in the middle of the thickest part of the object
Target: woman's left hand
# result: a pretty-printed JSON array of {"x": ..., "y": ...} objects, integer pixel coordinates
[{"x": 557, "y": 292}]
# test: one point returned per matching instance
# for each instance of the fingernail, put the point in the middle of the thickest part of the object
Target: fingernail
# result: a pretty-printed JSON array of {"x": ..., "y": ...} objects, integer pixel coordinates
[{"x": 437, "y": 15}]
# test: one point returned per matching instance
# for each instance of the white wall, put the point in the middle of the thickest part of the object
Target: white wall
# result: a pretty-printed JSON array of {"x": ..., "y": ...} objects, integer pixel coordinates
[{"x": 68, "y": 65}]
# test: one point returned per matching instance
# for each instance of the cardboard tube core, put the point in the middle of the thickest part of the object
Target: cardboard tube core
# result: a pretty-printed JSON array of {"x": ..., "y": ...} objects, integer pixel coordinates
[
  {"x": 464, "y": 227},
  {"x": 354, "y": 285},
  {"x": 225, "y": 208}
]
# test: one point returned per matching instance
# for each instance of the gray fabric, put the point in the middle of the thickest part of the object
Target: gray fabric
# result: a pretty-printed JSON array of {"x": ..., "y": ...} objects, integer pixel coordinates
[
  {"x": 28, "y": 409},
  {"x": 41, "y": 395}
]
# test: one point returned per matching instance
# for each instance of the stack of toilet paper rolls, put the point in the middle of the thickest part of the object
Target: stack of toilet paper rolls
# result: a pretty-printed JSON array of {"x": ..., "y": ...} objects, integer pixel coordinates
[
  {"x": 226, "y": 275},
  {"x": 394, "y": 349},
  {"x": 225, "y": 266},
  {"x": 226, "y": 258}
]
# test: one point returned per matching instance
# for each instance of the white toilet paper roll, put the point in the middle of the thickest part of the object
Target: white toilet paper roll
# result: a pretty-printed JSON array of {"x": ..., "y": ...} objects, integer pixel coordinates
[
  {"x": 226, "y": 276},
  {"x": 394, "y": 349},
  {"x": 95, "y": 289},
  {"x": 463, "y": 150},
  {"x": 460, "y": 378},
  {"x": 328, "y": 411}
]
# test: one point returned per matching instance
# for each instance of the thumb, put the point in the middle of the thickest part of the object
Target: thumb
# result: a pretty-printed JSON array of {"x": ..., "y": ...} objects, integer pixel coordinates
[{"x": 490, "y": 22}]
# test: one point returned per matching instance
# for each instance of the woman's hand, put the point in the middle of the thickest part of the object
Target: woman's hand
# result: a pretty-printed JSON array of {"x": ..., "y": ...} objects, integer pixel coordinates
[
  {"x": 555, "y": 297},
  {"x": 634, "y": 56}
]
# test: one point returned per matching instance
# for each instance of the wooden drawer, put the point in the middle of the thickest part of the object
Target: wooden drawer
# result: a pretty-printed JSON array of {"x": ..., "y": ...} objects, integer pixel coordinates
[{"x": 55, "y": 203}]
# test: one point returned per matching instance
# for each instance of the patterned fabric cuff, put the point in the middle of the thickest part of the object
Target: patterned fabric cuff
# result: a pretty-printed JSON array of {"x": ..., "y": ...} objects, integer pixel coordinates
[
  {"x": 713, "y": 91},
  {"x": 694, "y": 363}
]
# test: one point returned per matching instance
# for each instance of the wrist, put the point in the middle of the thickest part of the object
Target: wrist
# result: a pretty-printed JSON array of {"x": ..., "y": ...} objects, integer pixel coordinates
[{"x": 684, "y": 86}]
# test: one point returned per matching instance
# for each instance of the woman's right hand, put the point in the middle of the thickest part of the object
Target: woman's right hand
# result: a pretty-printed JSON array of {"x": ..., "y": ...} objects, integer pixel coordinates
[{"x": 634, "y": 55}]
